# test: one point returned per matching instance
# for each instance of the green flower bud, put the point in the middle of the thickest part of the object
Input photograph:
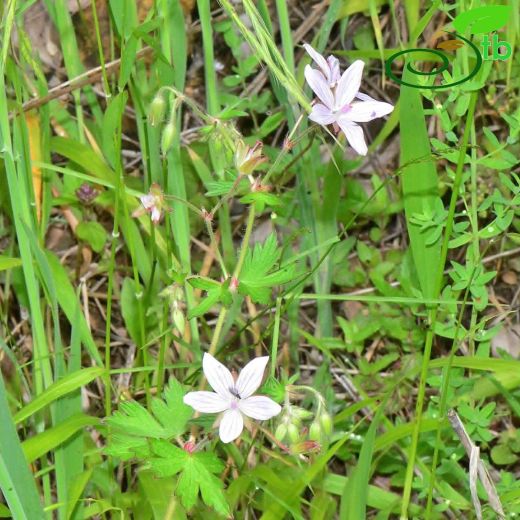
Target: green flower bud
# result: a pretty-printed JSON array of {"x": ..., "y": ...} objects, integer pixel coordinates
[
  {"x": 281, "y": 432},
  {"x": 293, "y": 432},
  {"x": 157, "y": 110},
  {"x": 326, "y": 423},
  {"x": 168, "y": 136},
  {"x": 315, "y": 431},
  {"x": 178, "y": 320},
  {"x": 300, "y": 413}
]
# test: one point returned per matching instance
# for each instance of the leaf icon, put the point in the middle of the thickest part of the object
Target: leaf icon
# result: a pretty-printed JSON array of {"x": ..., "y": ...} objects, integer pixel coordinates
[{"x": 482, "y": 19}]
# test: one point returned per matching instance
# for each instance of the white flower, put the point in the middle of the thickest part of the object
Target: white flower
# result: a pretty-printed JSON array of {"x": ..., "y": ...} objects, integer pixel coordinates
[
  {"x": 234, "y": 398},
  {"x": 153, "y": 203},
  {"x": 337, "y": 96},
  {"x": 148, "y": 202}
]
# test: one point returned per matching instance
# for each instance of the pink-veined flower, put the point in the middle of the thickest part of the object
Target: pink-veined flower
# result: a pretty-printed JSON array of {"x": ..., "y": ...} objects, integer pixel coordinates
[
  {"x": 329, "y": 67},
  {"x": 337, "y": 95},
  {"x": 234, "y": 398}
]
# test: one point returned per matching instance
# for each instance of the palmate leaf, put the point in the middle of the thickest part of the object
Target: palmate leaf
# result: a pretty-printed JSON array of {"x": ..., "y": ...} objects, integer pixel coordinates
[
  {"x": 196, "y": 474},
  {"x": 132, "y": 425},
  {"x": 256, "y": 280},
  {"x": 173, "y": 414}
]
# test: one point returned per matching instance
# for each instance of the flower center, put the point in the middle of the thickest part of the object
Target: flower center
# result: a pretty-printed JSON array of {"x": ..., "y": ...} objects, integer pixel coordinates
[
  {"x": 345, "y": 109},
  {"x": 234, "y": 405}
]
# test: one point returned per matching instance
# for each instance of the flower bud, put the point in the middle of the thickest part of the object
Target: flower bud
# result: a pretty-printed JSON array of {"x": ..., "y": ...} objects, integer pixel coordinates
[
  {"x": 247, "y": 158},
  {"x": 167, "y": 137},
  {"x": 157, "y": 109},
  {"x": 294, "y": 434},
  {"x": 305, "y": 447},
  {"x": 315, "y": 431},
  {"x": 178, "y": 320},
  {"x": 281, "y": 432},
  {"x": 301, "y": 413},
  {"x": 326, "y": 423}
]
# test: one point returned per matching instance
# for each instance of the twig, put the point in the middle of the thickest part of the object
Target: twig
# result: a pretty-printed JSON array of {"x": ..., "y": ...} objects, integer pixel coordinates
[{"x": 476, "y": 466}]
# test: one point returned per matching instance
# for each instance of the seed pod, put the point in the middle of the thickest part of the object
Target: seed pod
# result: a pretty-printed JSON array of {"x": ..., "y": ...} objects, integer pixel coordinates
[
  {"x": 168, "y": 136},
  {"x": 293, "y": 432},
  {"x": 326, "y": 423},
  {"x": 315, "y": 431},
  {"x": 281, "y": 432},
  {"x": 157, "y": 110}
]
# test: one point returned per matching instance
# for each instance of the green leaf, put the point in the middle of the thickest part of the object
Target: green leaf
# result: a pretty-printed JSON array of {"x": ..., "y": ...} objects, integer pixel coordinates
[
  {"x": 196, "y": 473},
  {"x": 132, "y": 426},
  {"x": 254, "y": 279},
  {"x": 169, "y": 459},
  {"x": 58, "y": 389},
  {"x": 205, "y": 305},
  {"x": 355, "y": 493},
  {"x": 419, "y": 183},
  {"x": 173, "y": 414},
  {"x": 134, "y": 419},
  {"x": 130, "y": 310},
  {"x": 41, "y": 443},
  {"x": 16, "y": 481},
  {"x": 93, "y": 233},
  {"x": 7, "y": 262},
  {"x": 201, "y": 282}
]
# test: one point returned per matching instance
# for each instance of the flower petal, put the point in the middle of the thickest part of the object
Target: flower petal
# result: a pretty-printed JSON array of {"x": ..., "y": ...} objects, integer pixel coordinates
[
  {"x": 318, "y": 58},
  {"x": 206, "y": 402},
  {"x": 251, "y": 376},
  {"x": 319, "y": 85},
  {"x": 349, "y": 83},
  {"x": 259, "y": 407},
  {"x": 322, "y": 115},
  {"x": 335, "y": 73},
  {"x": 354, "y": 135},
  {"x": 156, "y": 215},
  {"x": 364, "y": 111},
  {"x": 218, "y": 376},
  {"x": 231, "y": 426},
  {"x": 148, "y": 201},
  {"x": 364, "y": 97}
]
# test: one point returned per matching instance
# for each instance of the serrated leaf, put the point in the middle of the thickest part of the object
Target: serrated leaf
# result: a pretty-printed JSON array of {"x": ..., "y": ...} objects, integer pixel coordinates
[
  {"x": 254, "y": 279},
  {"x": 134, "y": 419},
  {"x": 173, "y": 414},
  {"x": 126, "y": 447},
  {"x": 188, "y": 486},
  {"x": 169, "y": 459},
  {"x": 262, "y": 198},
  {"x": 218, "y": 188}
]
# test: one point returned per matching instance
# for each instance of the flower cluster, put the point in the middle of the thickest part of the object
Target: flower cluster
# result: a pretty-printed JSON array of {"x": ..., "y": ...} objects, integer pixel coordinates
[{"x": 337, "y": 94}]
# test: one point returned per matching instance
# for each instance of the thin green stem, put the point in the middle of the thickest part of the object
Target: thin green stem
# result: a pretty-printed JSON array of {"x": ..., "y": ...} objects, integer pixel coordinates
[{"x": 245, "y": 241}]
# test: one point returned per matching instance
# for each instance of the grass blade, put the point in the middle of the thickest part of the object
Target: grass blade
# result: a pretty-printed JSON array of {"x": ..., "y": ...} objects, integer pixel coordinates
[{"x": 16, "y": 481}]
